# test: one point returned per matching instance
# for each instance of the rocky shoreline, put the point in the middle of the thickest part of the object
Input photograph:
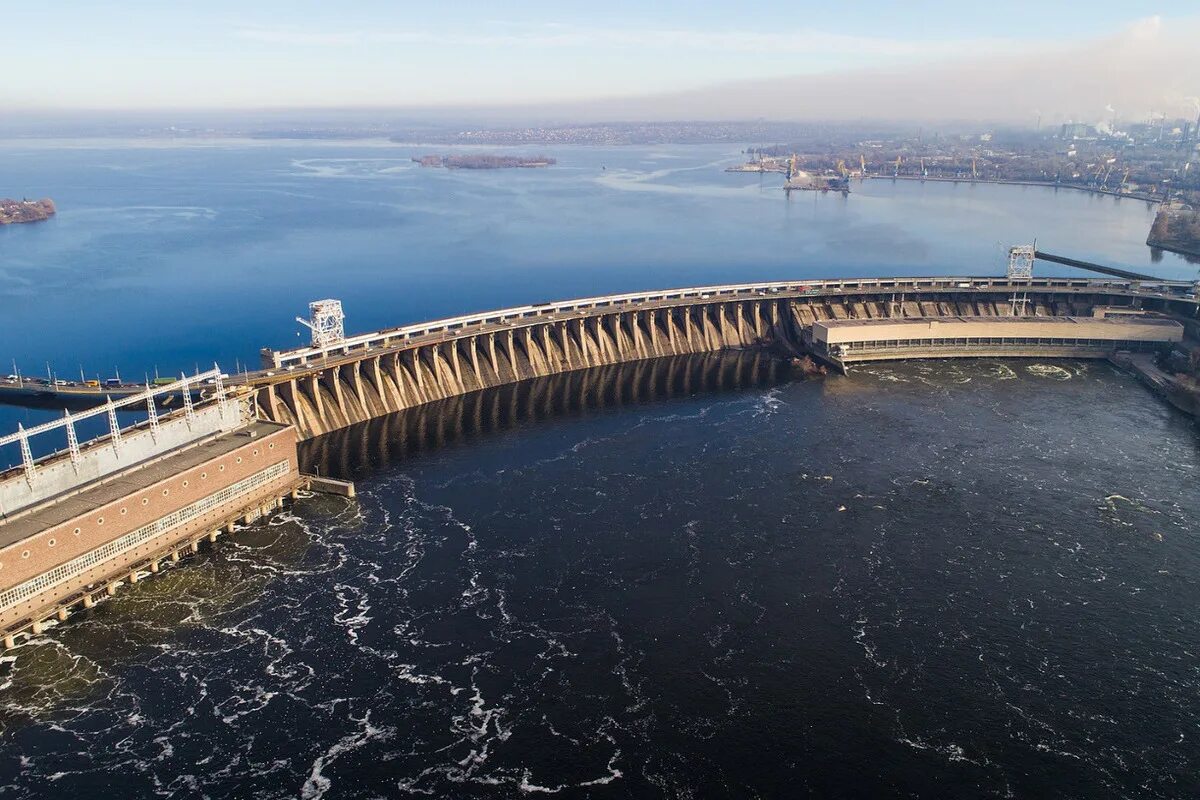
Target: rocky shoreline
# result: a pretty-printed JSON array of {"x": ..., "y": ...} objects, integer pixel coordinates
[
  {"x": 1176, "y": 228},
  {"x": 14, "y": 211},
  {"x": 485, "y": 161}
]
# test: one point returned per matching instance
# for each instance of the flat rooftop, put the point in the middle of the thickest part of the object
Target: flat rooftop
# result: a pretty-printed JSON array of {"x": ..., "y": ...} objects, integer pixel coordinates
[
  {"x": 24, "y": 524},
  {"x": 1123, "y": 322},
  {"x": 975, "y": 329}
]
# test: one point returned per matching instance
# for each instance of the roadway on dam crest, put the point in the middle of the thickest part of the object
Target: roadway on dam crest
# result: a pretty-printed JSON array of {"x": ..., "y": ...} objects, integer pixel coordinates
[{"x": 369, "y": 375}]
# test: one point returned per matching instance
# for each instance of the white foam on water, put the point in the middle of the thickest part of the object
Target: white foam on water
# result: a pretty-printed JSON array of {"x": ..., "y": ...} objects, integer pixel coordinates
[
  {"x": 318, "y": 783},
  {"x": 1052, "y": 371}
]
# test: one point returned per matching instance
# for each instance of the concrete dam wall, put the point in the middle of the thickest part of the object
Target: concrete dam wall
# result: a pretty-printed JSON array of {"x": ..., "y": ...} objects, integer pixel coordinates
[
  {"x": 426, "y": 428},
  {"x": 389, "y": 371},
  {"x": 338, "y": 396}
]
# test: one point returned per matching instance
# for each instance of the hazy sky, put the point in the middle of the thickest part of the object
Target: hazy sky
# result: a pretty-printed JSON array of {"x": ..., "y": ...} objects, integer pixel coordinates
[{"x": 177, "y": 53}]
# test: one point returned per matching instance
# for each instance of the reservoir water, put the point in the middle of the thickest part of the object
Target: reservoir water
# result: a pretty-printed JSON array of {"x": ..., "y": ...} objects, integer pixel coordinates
[{"x": 700, "y": 578}]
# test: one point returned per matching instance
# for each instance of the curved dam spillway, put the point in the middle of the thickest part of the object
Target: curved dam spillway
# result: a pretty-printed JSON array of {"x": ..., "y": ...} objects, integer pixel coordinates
[{"x": 375, "y": 374}]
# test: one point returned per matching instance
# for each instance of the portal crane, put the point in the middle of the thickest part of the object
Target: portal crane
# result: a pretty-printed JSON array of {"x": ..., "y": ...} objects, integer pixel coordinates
[{"x": 1104, "y": 183}]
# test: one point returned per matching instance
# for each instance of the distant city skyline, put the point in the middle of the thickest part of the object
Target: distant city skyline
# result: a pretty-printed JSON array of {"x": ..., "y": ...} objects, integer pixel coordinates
[{"x": 222, "y": 55}]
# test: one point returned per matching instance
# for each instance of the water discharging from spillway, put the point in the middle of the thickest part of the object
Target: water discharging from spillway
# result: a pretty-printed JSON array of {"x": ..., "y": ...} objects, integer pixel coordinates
[
  {"x": 386, "y": 441},
  {"x": 955, "y": 578}
]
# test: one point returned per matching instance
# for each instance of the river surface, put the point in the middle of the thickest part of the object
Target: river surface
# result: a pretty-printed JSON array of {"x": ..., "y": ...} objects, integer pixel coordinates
[
  {"x": 696, "y": 577},
  {"x": 166, "y": 256}
]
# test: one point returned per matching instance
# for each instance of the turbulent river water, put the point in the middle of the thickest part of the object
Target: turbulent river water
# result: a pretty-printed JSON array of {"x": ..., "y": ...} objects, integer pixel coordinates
[
  {"x": 698, "y": 577},
  {"x": 689, "y": 578}
]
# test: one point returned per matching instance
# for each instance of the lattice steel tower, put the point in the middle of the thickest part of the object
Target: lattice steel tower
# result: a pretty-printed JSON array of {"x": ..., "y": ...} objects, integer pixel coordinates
[
  {"x": 1020, "y": 266},
  {"x": 1020, "y": 261},
  {"x": 327, "y": 323}
]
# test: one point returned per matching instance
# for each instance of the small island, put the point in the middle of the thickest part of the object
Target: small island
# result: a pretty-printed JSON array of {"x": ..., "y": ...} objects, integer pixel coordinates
[
  {"x": 1176, "y": 228},
  {"x": 485, "y": 162},
  {"x": 13, "y": 211}
]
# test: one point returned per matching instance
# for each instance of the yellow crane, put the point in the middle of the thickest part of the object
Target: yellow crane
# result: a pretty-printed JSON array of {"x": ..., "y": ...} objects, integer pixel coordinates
[
  {"x": 974, "y": 170},
  {"x": 841, "y": 168},
  {"x": 898, "y": 159},
  {"x": 862, "y": 163},
  {"x": 923, "y": 173},
  {"x": 793, "y": 166}
]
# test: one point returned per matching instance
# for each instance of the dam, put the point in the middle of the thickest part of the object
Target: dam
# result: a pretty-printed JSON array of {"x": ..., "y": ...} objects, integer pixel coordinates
[
  {"x": 344, "y": 380},
  {"x": 77, "y": 524}
]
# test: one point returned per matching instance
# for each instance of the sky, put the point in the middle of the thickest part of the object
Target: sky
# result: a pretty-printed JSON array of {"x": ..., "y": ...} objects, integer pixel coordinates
[{"x": 221, "y": 54}]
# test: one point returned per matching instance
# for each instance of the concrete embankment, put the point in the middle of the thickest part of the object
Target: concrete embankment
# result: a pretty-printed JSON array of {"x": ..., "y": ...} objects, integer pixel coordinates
[
  {"x": 1044, "y": 184},
  {"x": 1181, "y": 392}
]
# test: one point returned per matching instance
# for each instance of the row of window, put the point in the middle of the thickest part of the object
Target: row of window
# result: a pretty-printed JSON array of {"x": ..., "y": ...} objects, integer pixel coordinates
[
  {"x": 146, "y": 500},
  {"x": 878, "y": 344},
  {"x": 135, "y": 538}
]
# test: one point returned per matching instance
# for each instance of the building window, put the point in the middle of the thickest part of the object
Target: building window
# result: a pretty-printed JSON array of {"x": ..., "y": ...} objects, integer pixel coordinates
[
  {"x": 77, "y": 531},
  {"x": 239, "y": 459},
  {"x": 271, "y": 446},
  {"x": 77, "y": 566},
  {"x": 166, "y": 492},
  {"x": 51, "y": 542},
  {"x": 145, "y": 501},
  {"x": 185, "y": 484},
  {"x": 99, "y": 520},
  {"x": 124, "y": 511},
  {"x": 203, "y": 476},
  {"x": 221, "y": 468},
  {"x": 254, "y": 452}
]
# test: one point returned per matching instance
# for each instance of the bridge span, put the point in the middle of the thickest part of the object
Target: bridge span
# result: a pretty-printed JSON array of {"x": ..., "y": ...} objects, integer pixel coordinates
[{"x": 361, "y": 377}]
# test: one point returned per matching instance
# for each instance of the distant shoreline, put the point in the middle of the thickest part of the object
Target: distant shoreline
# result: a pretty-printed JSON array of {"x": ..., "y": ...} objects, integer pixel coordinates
[{"x": 1043, "y": 184}]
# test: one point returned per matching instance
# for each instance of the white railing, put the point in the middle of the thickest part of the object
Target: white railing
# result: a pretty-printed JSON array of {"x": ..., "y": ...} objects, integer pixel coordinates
[
  {"x": 182, "y": 385},
  {"x": 367, "y": 341},
  {"x": 34, "y": 481}
]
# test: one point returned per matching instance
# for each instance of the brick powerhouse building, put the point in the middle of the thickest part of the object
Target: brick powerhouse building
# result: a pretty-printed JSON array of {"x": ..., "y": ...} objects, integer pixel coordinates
[{"x": 74, "y": 546}]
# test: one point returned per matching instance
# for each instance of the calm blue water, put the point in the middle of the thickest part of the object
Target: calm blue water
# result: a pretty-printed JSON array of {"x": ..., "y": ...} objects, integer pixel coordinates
[
  {"x": 177, "y": 255},
  {"x": 691, "y": 578},
  {"x": 167, "y": 256}
]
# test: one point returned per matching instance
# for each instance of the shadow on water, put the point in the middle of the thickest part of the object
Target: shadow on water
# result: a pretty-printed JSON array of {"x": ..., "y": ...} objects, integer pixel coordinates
[{"x": 380, "y": 442}]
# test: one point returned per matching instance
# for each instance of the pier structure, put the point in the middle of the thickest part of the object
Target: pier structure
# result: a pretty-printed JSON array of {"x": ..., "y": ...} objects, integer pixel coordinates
[
  {"x": 323, "y": 388},
  {"x": 77, "y": 524}
]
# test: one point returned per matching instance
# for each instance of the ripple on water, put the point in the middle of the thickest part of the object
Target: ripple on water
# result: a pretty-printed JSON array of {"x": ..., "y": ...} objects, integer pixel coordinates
[{"x": 621, "y": 605}]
